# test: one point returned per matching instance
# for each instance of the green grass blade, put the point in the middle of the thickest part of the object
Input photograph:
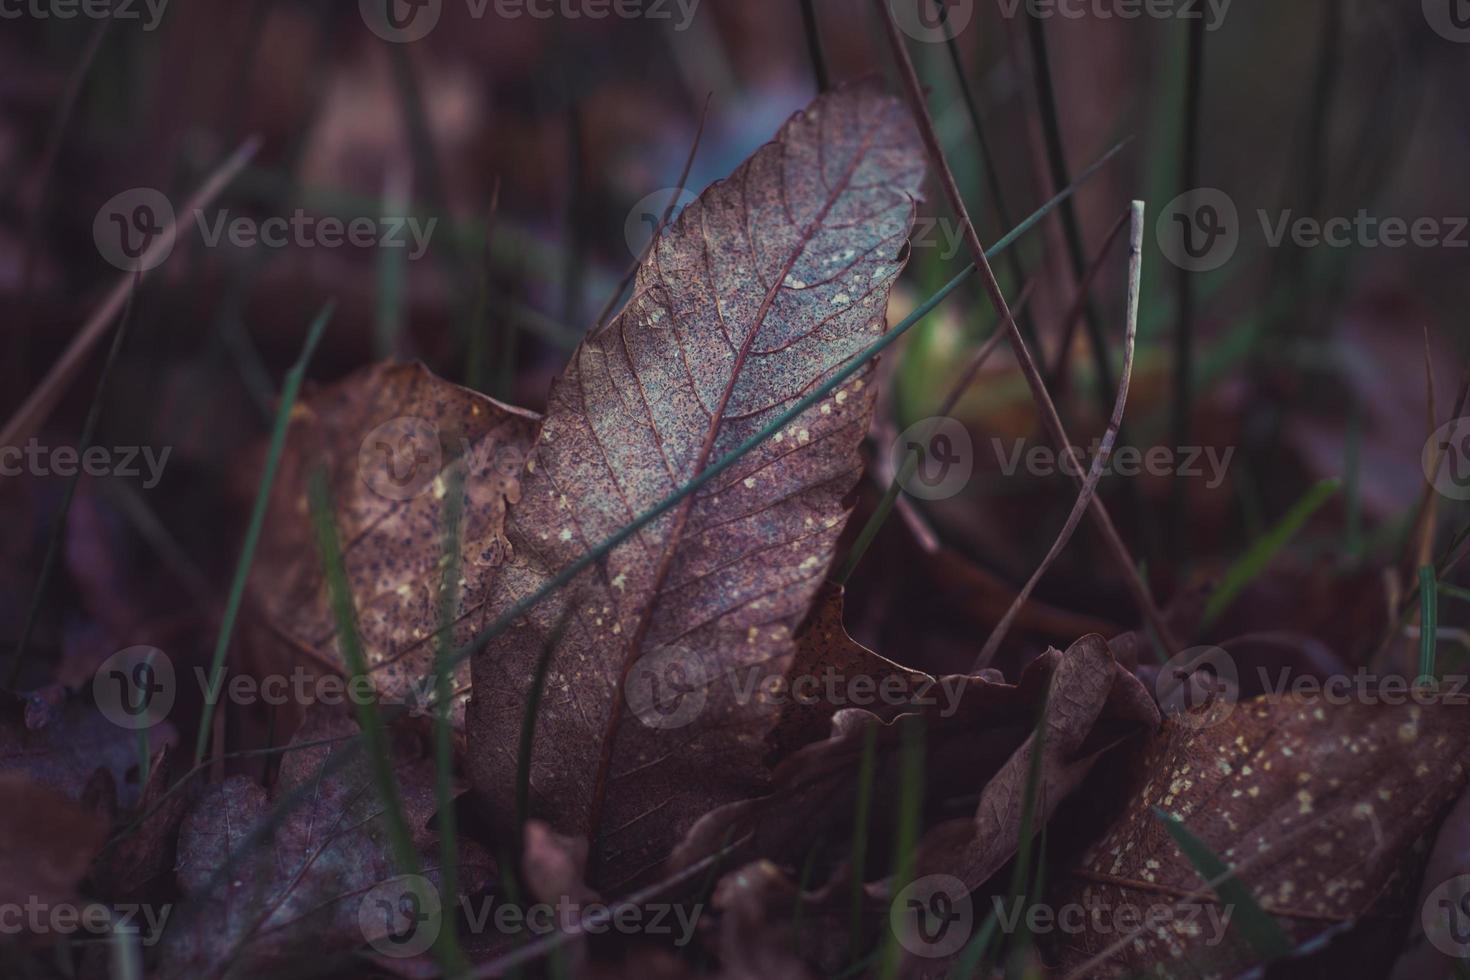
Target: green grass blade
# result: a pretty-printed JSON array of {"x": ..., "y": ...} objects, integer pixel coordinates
[
  {"x": 374, "y": 731},
  {"x": 1254, "y": 923},
  {"x": 1250, "y": 565},
  {"x": 1453, "y": 591},
  {"x": 125, "y": 956},
  {"x": 909, "y": 826},
  {"x": 976, "y": 955},
  {"x": 392, "y": 272},
  {"x": 289, "y": 390},
  {"x": 857, "y": 363},
  {"x": 1428, "y": 621},
  {"x": 969, "y": 962},
  {"x": 803, "y": 885}
]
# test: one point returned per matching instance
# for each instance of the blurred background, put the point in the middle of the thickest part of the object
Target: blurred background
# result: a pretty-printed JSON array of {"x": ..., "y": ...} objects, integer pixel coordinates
[{"x": 532, "y": 145}]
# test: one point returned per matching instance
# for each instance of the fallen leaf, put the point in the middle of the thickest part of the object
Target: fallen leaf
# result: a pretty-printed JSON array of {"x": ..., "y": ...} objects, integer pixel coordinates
[
  {"x": 387, "y": 436},
  {"x": 825, "y": 659},
  {"x": 1092, "y": 705},
  {"x": 1325, "y": 812},
  {"x": 302, "y": 890},
  {"x": 69, "y": 746},
  {"x": 977, "y": 738},
  {"x": 1449, "y": 861},
  {"x": 759, "y": 916},
  {"x": 46, "y": 845},
  {"x": 143, "y": 855},
  {"x": 763, "y": 287}
]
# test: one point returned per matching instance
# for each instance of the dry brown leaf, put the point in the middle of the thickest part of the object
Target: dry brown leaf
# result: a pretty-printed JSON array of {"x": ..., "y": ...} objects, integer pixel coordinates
[
  {"x": 758, "y": 919},
  {"x": 387, "y": 437},
  {"x": 1325, "y": 810},
  {"x": 826, "y": 658},
  {"x": 976, "y": 741},
  {"x": 145, "y": 855},
  {"x": 70, "y": 746},
  {"x": 762, "y": 288},
  {"x": 47, "y": 843},
  {"x": 300, "y": 891},
  {"x": 1093, "y": 704}
]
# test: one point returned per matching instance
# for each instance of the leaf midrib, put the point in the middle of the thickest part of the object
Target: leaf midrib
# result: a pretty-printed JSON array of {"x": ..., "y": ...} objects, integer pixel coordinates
[{"x": 681, "y": 515}]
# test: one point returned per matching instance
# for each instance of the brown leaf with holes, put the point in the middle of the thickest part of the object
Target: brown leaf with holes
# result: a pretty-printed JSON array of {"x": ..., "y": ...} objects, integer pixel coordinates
[
  {"x": 1324, "y": 810},
  {"x": 387, "y": 437},
  {"x": 303, "y": 889},
  {"x": 762, "y": 288}
]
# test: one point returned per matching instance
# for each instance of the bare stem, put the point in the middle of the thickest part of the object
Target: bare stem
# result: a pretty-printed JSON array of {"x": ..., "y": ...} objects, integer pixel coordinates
[{"x": 1049, "y": 417}]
